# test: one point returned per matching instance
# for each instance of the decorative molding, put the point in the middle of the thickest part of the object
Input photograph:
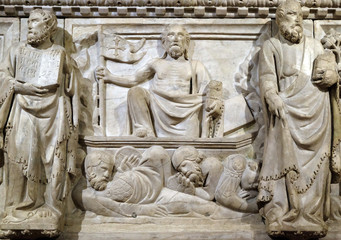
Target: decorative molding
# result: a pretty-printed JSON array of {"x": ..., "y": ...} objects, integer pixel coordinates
[
  {"x": 169, "y": 3},
  {"x": 213, "y": 143},
  {"x": 242, "y": 9}
]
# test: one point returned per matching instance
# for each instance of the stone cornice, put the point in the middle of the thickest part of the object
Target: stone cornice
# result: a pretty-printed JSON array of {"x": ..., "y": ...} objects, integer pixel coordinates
[
  {"x": 218, "y": 143},
  {"x": 170, "y": 3},
  {"x": 85, "y": 10}
]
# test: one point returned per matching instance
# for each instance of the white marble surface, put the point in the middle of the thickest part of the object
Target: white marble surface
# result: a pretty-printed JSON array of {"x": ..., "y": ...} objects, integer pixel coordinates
[
  {"x": 59, "y": 39},
  {"x": 170, "y": 228},
  {"x": 220, "y": 44},
  {"x": 308, "y": 28},
  {"x": 9, "y": 33},
  {"x": 321, "y": 27},
  {"x": 227, "y": 230}
]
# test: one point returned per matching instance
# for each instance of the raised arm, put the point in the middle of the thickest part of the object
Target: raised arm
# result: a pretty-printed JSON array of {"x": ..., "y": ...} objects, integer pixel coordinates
[{"x": 143, "y": 74}]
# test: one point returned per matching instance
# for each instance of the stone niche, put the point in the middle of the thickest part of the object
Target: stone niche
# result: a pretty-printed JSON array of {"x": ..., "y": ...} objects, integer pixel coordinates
[{"x": 118, "y": 51}]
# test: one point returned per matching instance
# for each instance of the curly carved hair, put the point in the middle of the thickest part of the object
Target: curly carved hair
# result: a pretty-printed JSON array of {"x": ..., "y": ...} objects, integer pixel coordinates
[
  {"x": 94, "y": 159},
  {"x": 49, "y": 19},
  {"x": 186, "y": 34},
  {"x": 284, "y": 7}
]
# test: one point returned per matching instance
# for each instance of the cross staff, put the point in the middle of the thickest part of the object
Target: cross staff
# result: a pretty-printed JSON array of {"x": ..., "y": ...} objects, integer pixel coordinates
[{"x": 124, "y": 52}]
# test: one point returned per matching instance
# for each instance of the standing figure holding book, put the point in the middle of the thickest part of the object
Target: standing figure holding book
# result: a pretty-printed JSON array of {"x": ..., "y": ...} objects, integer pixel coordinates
[{"x": 38, "y": 123}]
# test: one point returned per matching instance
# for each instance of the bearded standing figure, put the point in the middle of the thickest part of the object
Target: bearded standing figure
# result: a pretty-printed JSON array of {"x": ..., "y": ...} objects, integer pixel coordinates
[
  {"x": 295, "y": 177},
  {"x": 40, "y": 122}
]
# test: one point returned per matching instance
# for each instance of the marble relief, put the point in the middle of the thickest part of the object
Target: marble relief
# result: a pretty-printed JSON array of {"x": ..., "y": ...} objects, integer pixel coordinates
[
  {"x": 172, "y": 105},
  {"x": 117, "y": 80},
  {"x": 131, "y": 184},
  {"x": 156, "y": 121},
  {"x": 39, "y": 120},
  {"x": 298, "y": 80}
]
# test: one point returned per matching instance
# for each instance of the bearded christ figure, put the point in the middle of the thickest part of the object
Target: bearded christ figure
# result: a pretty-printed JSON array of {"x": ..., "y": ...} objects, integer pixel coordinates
[
  {"x": 172, "y": 104},
  {"x": 295, "y": 176},
  {"x": 39, "y": 118}
]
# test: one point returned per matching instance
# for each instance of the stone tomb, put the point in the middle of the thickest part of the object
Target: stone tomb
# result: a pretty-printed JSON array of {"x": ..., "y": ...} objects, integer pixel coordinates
[{"x": 191, "y": 170}]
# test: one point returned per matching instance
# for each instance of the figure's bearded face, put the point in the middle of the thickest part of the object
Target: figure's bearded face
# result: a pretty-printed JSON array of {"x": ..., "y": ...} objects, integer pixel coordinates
[
  {"x": 193, "y": 172},
  {"x": 292, "y": 33},
  {"x": 100, "y": 176},
  {"x": 38, "y": 30},
  {"x": 175, "y": 42},
  {"x": 99, "y": 183},
  {"x": 291, "y": 25}
]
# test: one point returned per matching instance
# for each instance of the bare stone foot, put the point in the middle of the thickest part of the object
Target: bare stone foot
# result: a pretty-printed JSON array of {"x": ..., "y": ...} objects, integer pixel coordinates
[
  {"x": 46, "y": 212},
  {"x": 291, "y": 215},
  {"x": 45, "y": 215},
  {"x": 143, "y": 132}
]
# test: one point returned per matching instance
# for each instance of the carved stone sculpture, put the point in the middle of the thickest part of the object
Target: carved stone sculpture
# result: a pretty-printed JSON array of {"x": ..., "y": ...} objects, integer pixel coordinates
[
  {"x": 295, "y": 175},
  {"x": 196, "y": 175},
  {"x": 131, "y": 190},
  {"x": 210, "y": 179},
  {"x": 39, "y": 120},
  {"x": 332, "y": 42},
  {"x": 117, "y": 49},
  {"x": 172, "y": 105},
  {"x": 213, "y": 124},
  {"x": 164, "y": 102},
  {"x": 137, "y": 187},
  {"x": 237, "y": 187}
]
